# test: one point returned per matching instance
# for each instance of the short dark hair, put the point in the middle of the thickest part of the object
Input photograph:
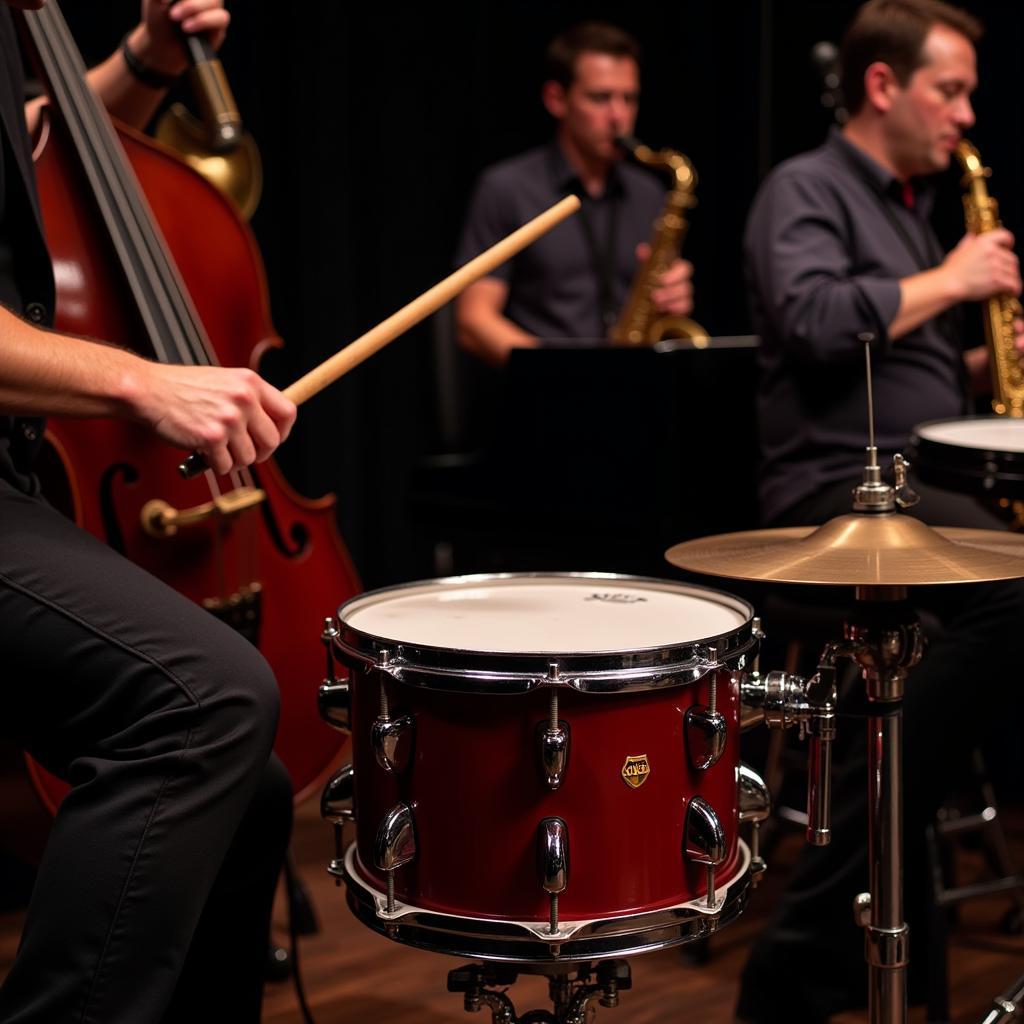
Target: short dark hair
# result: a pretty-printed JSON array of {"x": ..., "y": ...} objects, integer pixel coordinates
[
  {"x": 586, "y": 37},
  {"x": 894, "y": 31}
]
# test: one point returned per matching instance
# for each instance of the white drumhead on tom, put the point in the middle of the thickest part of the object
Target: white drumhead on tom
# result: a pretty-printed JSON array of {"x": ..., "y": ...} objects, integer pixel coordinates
[
  {"x": 546, "y": 614},
  {"x": 993, "y": 434}
]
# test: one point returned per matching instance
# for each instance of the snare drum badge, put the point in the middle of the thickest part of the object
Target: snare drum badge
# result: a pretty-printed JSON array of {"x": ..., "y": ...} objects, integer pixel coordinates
[{"x": 635, "y": 770}]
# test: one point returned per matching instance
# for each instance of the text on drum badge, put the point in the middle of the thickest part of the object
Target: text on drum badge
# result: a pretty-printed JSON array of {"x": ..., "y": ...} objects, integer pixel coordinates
[{"x": 635, "y": 770}]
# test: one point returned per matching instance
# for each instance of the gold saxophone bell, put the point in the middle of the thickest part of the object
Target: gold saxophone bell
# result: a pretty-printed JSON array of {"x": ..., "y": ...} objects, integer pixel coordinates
[
  {"x": 216, "y": 146},
  {"x": 639, "y": 322}
]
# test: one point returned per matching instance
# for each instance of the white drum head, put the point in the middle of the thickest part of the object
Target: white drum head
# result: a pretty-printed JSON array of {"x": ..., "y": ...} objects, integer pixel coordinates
[
  {"x": 546, "y": 614},
  {"x": 993, "y": 434}
]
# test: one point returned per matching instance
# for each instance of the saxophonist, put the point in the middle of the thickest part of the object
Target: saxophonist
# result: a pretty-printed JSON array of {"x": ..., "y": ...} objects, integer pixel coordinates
[
  {"x": 570, "y": 285},
  {"x": 840, "y": 254}
]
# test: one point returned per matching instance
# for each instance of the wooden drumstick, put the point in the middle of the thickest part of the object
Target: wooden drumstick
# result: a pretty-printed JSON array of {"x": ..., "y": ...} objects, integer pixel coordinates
[{"x": 408, "y": 316}]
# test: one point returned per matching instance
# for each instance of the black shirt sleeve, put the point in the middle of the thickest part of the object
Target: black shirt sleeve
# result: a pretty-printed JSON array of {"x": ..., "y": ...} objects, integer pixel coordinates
[{"x": 812, "y": 298}]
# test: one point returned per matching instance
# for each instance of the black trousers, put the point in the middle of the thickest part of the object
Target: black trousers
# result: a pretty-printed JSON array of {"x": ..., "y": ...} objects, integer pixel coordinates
[
  {"x": 162, "y": 719},
  {"x": 808, "y": 963}
]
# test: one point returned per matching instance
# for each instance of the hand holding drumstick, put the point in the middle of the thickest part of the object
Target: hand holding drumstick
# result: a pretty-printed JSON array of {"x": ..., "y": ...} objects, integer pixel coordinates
[{"x": 408, "y": 316}]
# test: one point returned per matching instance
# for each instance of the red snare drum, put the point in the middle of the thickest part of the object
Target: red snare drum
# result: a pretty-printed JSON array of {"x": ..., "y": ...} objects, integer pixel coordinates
[{"x": 546, "y": 767}]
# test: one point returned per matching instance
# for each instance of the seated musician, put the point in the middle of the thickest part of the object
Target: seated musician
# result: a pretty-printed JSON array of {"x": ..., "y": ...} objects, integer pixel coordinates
[
  {"x": 840, "y": 254},
  {"x": 571, "y": 284},
  {"x": 152, "y": 903}
]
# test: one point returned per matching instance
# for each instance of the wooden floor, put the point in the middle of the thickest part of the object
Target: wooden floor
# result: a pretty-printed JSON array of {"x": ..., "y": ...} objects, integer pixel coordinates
[{"x": 353, "y": 976}]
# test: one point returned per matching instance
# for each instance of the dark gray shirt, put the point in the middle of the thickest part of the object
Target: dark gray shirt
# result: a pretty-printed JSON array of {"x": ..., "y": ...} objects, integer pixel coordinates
[
  {"x": 556, "y": 284},
  {"x": 828, "y": 239}
]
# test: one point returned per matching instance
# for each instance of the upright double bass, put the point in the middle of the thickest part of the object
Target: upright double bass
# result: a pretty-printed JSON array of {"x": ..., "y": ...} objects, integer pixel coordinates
[{"x": 150, "y": 256}]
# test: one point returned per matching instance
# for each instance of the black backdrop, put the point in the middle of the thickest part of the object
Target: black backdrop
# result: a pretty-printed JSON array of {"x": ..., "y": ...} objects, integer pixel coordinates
[{"x": 374, "y": 123}]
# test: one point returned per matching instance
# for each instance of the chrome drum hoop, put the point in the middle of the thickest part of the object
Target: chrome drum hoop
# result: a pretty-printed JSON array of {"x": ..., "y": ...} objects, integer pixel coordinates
[
  {"x": 526, "y": 942},
  {"x": 501, "y": 672}
]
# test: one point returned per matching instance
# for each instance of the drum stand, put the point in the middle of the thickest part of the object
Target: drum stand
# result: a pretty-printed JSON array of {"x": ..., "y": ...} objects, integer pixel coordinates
[{"x": 573, "y": 997}]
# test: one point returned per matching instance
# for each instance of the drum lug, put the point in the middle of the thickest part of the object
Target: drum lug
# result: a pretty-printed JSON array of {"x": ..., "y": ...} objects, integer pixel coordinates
[
  {"x": 395, "y": 845},
  {"x": 553, "y": 746},
  {"x": 334, "y": 699},
  {"x": 553, "y": 862},
  {"x": 705, "y": 730},
  {"x": 705, "y": 737},
  {"x": 553, "y": 750},
  {"x": 337, "y": 806},
  {"x": 392, "y": 740},
  {"x": 704, "y": 840},
  {"x": 337, "y": 803},
  {"x": 755, "y": 805}
]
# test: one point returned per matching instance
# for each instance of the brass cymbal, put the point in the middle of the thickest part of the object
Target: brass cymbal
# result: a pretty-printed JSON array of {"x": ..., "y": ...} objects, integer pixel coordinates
[{"x": 887, "y": 549}]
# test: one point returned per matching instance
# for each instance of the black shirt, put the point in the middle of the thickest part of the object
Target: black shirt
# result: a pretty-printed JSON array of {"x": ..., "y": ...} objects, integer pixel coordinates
[
  {"x": 555, "y": 284},
  {"x": 26, "y": 275},
  {"x": 828, "y": 239}
]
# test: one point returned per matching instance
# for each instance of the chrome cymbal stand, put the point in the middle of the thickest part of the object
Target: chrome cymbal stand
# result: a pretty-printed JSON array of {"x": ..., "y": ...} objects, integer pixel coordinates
[{"x": 883, "y": 636}]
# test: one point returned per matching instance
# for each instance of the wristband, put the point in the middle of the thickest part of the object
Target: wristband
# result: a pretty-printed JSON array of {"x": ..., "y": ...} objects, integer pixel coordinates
[{"x": 143, "y": 72}]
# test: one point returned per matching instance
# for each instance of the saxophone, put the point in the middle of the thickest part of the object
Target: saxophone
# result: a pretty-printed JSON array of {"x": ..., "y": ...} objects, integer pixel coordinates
[
  {"x": 639, "y": 322},
  {"x": 982, "y": 214}
]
